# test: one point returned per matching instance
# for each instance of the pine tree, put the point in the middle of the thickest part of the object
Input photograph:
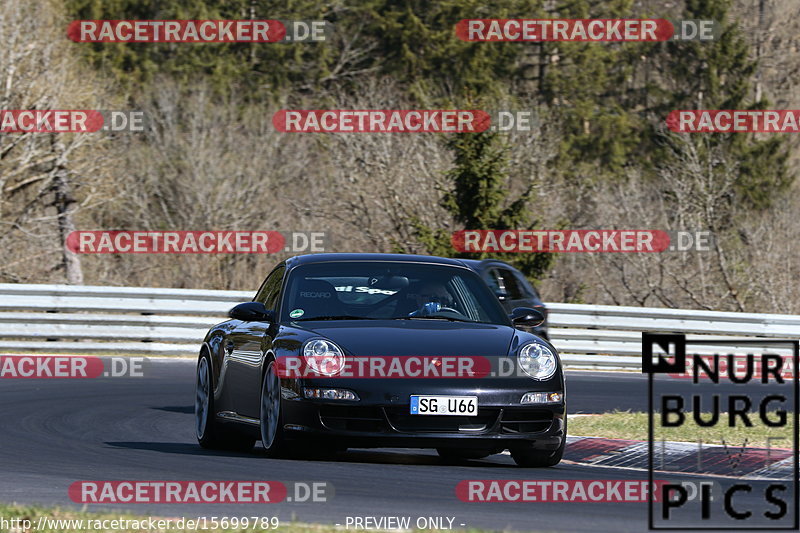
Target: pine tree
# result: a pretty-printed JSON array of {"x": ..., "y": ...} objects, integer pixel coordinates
[
  {"x": 589, "y": 85},
  {"x": 719, "y": 74},
  {"x": 479, "y": 200}
]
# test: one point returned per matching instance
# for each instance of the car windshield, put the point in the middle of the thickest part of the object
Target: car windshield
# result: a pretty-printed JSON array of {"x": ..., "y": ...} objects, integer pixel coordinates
[{"x": 367, "y": 290}]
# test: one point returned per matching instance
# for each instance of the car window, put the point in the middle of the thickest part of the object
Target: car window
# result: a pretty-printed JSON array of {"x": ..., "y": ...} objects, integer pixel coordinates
[
  {"x": 510, "y": 283},
  {"x": 270, "y": 291},
  {"x": 525, "y": 286},
  {"x": 387, "y": 290},
  {"x": 491, "y": 279}
]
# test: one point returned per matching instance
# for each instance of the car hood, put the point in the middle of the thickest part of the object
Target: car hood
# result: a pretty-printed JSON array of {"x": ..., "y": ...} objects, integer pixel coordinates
[{"x": 415, "y": 337}]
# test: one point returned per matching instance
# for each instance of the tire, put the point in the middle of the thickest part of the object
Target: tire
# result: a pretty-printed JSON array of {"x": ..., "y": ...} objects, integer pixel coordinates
[
  {"x": 270, "y": 416},
  {"x": 457, "y": 454},
  {"x": 210, "y": 433},
  {"x": 530, "y": 458}
]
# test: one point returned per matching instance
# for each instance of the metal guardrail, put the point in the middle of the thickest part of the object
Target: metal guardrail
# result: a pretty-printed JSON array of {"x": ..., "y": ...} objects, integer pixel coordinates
[
  {"x": 152, "y": 321},
  {"x": 598, "y": 336}
]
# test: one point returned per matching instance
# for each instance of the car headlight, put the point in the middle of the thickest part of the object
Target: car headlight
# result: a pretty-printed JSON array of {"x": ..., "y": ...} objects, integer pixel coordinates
[
  {"x": 323, "y": 357},
  {"x": 537, "y": 360}
]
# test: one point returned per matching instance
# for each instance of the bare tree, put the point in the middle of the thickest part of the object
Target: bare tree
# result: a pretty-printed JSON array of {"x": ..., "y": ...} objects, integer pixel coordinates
[{"x": 42, "y": 174}]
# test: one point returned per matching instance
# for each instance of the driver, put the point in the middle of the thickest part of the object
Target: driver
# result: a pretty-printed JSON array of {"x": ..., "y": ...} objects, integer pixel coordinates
[{"x": 431, "y": 297}]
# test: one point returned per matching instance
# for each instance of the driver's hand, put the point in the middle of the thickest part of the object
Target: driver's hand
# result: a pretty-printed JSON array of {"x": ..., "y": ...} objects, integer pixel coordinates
[{"x": 427, "y": 309}]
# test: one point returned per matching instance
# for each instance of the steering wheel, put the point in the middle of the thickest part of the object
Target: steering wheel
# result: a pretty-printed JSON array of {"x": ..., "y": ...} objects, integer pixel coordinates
[{"x": 431, "y": 308}]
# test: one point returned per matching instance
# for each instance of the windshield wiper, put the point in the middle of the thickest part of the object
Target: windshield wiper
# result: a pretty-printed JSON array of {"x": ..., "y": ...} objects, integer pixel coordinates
[
  {"x": 434, "y": 317},
  {"x": 334, "y": 317}
]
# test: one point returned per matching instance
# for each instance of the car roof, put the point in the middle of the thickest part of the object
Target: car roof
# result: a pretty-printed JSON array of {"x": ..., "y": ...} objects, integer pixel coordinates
[
  {"x": 476, "y": 264},
  {"x": 402, "y": 258}
]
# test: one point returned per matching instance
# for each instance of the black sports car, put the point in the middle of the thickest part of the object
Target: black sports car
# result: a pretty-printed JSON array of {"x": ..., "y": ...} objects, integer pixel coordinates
[{"x": 380, "y": 350}]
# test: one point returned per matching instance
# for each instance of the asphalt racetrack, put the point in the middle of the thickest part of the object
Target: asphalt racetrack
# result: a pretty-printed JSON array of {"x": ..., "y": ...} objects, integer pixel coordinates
[{"x": 55, "y": 432}]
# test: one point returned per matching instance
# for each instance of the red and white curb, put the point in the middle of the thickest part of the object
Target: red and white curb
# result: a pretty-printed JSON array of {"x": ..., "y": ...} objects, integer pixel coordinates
[{"x": 683, "y": 457}]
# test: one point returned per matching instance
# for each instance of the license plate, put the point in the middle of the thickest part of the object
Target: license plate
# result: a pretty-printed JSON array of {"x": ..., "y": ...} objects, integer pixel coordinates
[{"x": 444, "y": 405}]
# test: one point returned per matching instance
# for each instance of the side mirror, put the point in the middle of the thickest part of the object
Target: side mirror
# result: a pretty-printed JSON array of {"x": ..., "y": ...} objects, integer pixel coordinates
[
  {"x": 526, "y": 316},
  {"x": 252, "y": 312}
]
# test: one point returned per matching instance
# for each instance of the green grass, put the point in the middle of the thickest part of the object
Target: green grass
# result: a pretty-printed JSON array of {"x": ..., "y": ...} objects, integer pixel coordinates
[{"x": 629, "y": 425}]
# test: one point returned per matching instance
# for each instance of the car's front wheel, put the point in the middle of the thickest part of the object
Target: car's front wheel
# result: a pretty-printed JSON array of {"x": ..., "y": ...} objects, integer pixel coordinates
[
  {"x": 270, "y": 420},
  {"x": 210, "y": 433}
]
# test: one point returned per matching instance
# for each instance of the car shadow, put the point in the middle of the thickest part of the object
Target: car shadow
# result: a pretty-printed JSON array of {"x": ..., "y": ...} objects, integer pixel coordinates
[
  {"x": 411, "y": 457},
  {"x": 180, "y": 448},
  {"x": 186, "y": 410},
  {"x": 362, "y": 456}
]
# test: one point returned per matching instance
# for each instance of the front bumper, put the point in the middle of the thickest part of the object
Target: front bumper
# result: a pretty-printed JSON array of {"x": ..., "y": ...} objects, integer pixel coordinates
[{"x": 497, "y": 425}]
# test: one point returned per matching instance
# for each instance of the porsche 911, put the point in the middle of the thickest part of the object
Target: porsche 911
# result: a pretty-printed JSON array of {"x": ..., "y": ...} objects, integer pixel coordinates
[{"x": 340, "y": 351}]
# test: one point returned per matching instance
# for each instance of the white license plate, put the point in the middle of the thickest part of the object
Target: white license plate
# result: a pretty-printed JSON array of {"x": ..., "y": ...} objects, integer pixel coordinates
[{"x": 444, "y": 405}]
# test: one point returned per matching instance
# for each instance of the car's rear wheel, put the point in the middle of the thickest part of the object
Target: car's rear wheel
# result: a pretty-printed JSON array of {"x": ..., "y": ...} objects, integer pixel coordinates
[
  {"x": 530, "y": 458},
  {"x": 270, "y": 419},
  {"x": 210, "y": 433}
]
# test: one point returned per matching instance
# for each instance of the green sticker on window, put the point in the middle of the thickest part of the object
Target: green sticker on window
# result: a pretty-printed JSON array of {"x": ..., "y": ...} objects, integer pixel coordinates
[{"x": 297, "y": 313}]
